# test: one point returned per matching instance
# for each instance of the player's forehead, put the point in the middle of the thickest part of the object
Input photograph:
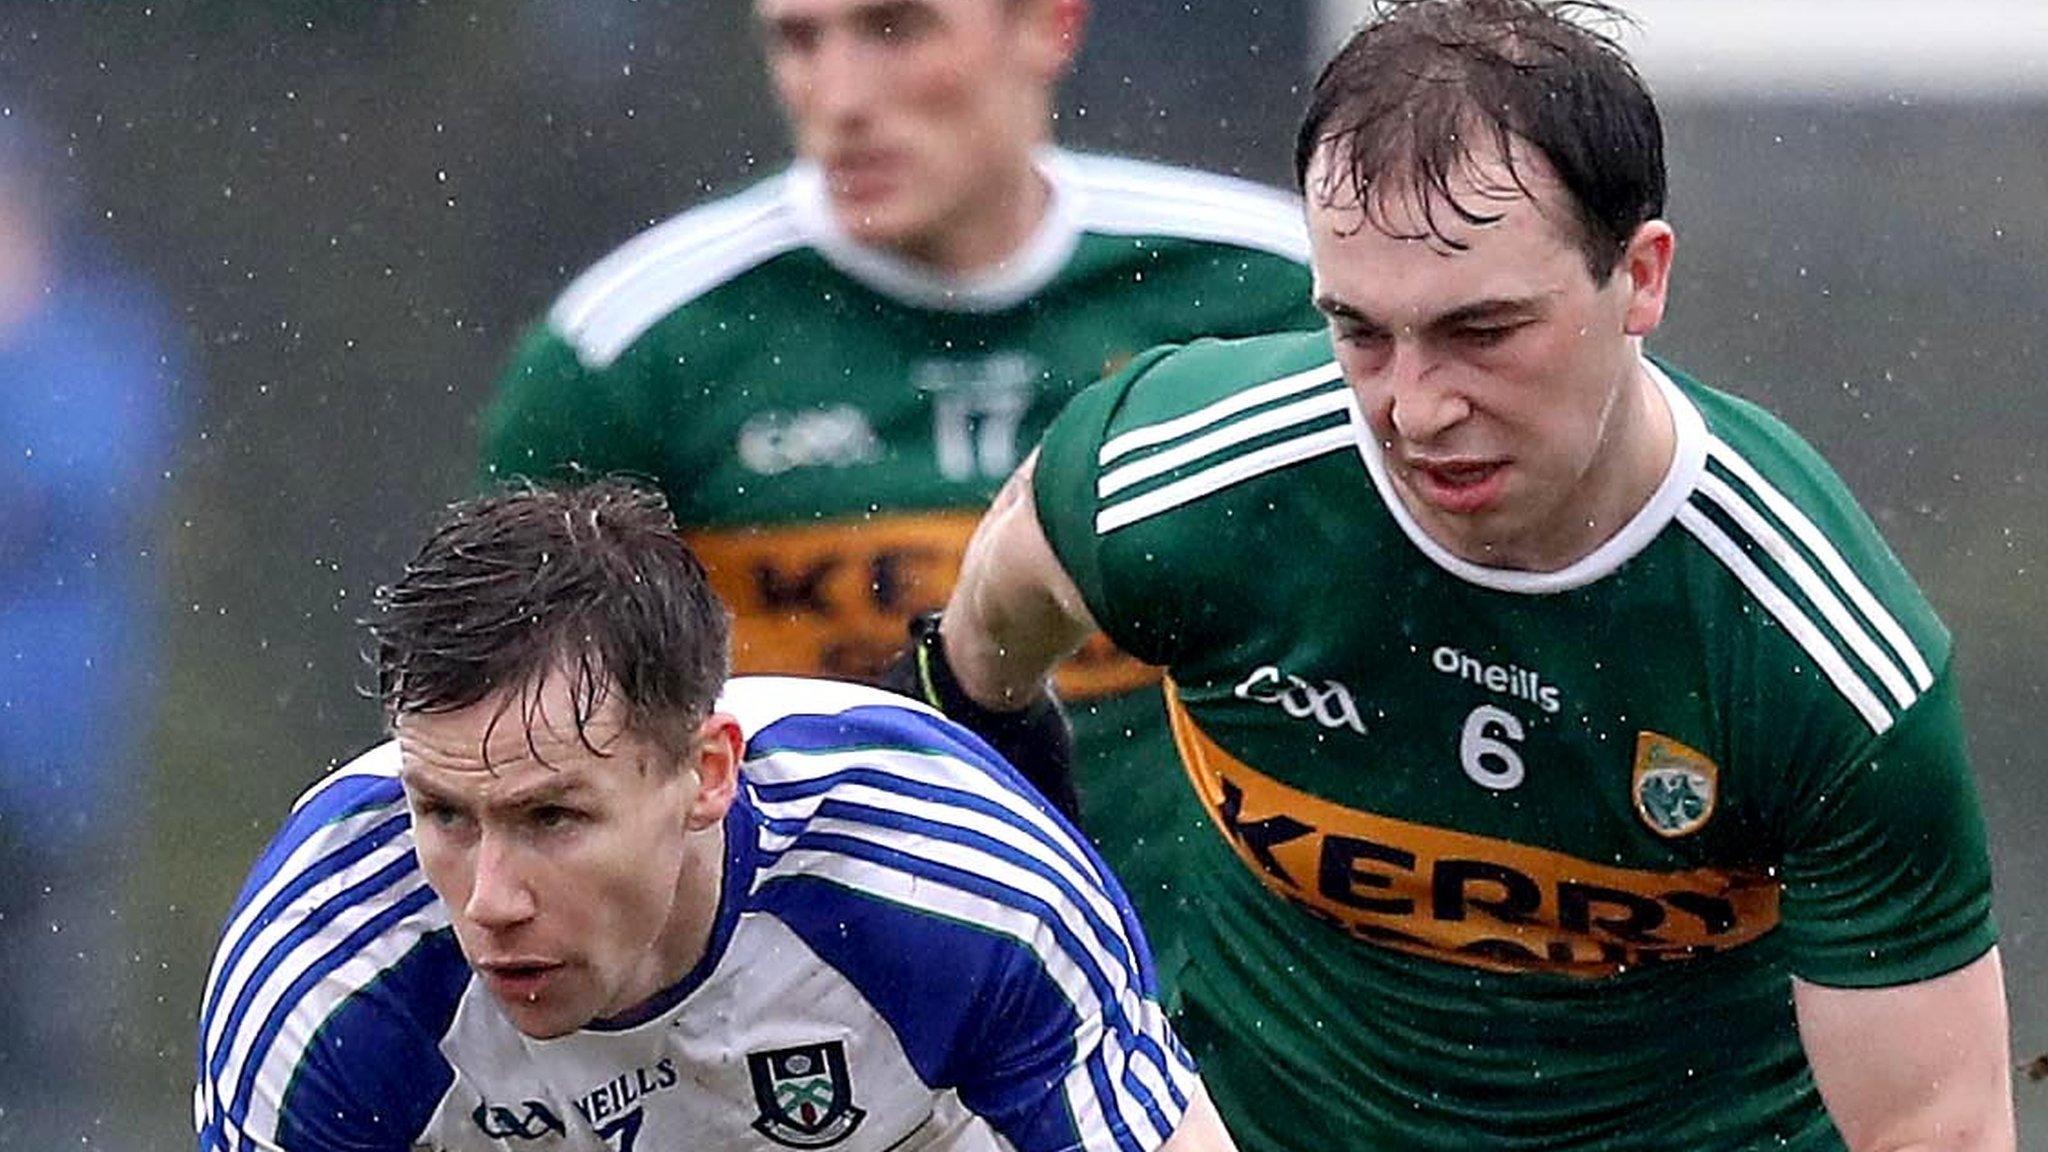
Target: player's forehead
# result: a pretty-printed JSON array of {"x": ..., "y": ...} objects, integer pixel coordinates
[
  {"x": 553, "y": 727},
  {"x": 1483, "y": 190}
]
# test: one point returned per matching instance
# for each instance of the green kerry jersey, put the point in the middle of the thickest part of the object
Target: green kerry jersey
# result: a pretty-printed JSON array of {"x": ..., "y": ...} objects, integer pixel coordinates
[
  {"x": 1509, "y": 859},
  {"x": 829, "y": 420}
]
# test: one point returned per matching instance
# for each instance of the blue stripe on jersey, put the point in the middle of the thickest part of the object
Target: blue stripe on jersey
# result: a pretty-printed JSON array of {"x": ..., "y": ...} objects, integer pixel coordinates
[
  {"x": 335, "y": 957},
  {"x": 328, "y": 866},
  {"x": 362, "y": 891},
  {"x": 903, "y": 729},
  {"x": 374, "y": 1073},
  {"x": 1072, "y": 849},
  {"x": 339, "y": 800},
  {"x": 1110, "y": 938},
  {"x": 1114, "y": 1019},
  {"x": 947, "y": 1023},
  {"x": 888, "y": 727}
]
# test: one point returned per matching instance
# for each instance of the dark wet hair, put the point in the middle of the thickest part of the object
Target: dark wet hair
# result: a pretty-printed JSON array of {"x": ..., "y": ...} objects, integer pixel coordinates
[
  {"x": 592, "y": 581},
  {"x": 1424, "y": 84}
]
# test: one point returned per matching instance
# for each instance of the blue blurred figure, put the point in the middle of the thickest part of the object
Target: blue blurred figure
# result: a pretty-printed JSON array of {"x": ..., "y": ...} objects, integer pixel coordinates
[{"x": 87, "y": 389}]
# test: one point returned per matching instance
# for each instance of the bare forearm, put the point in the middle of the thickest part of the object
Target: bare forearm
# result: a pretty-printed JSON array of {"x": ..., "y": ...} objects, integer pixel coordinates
[{"x": 1014, "y": 614}]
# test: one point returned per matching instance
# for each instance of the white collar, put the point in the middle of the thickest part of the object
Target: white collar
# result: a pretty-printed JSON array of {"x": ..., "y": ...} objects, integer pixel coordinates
[
  {"x": 1688, "y": 460},
  {"x": 1016, "y": 280}
]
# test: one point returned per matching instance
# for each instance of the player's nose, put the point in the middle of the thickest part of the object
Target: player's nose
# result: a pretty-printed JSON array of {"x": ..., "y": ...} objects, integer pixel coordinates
[
  {"x": 843, "y": 79},
  {"x": 499, "y": 894},
  {"x": 1422, "y": 401}
]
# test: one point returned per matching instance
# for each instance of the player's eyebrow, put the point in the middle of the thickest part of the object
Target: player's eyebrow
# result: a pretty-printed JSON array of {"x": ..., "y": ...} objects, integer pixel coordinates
[
  {"x": 1487, "y": 309},
  {"x": 549, "y": 790}
]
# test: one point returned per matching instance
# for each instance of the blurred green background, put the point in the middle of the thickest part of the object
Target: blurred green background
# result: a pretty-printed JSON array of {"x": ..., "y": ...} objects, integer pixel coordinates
[{"x": 351, "y": 208}]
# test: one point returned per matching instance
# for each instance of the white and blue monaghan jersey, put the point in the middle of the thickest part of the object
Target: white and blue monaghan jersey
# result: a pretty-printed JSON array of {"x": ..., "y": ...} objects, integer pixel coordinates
[{"x": 911, "y": 952}]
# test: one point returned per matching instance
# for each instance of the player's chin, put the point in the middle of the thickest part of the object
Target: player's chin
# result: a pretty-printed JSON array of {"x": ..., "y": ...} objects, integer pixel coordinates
[
  {"x": 888, "y": 222},
  {"x": 542, "y": 1023}
]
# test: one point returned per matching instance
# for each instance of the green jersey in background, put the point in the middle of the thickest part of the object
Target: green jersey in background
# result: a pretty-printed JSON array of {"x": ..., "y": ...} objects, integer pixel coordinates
[{"x": 829, "y": 420}]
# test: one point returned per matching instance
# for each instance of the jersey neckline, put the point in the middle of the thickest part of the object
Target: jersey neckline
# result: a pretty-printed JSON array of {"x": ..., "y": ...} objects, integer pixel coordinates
[
  {"x": 1688, "y": 460},
  {"x": 1022, "y": 276}
]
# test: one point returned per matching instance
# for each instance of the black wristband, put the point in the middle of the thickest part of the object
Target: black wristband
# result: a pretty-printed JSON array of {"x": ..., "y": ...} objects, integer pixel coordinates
[{"x": 1037, "y": 740}]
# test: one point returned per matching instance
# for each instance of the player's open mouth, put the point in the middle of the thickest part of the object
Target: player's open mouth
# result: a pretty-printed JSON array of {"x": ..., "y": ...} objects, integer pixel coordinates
[
  {"x": 518, "y": 980},
  {"x": 861, "y": 175},
  {"x": 1459, "y": 487}
]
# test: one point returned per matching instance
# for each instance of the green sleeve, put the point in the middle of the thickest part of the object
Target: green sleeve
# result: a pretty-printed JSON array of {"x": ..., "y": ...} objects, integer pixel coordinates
[
  {"x": 1887, "y": 878},
  {"x": 552, "y": 417},
  {"x": 1063, "y": 490}
]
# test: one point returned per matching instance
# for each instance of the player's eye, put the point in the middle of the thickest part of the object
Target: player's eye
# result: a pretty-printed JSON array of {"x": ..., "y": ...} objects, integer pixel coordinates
[
  {"x": 1359, "y": 335},
  {"x": 437, "y": 814},
  {"x": 554, "y": 816},
  {"x": 899, "y": 23},
  {"x": 1486, "y": 335},
  {"x": 792, "y": 37}
]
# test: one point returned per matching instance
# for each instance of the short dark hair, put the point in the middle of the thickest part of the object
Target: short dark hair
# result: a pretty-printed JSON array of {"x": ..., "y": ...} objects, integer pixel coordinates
[
  {"x": 1422, "y": 83},
  {"x": 593, "y": 580}
]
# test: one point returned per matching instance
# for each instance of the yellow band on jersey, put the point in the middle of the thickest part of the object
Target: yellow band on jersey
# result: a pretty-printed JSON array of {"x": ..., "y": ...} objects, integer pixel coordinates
[
  {"x": 1466, "y": 899},
  {"x": 831, "y": 598}
]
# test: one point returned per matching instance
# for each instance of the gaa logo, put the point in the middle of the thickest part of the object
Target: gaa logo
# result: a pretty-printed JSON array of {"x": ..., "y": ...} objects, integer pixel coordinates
[
  {"x": 804, "y": 1094},
  {"x": 501, "y": 1123},
  {"x": 1329, "y": 704},
  {"x": 1674, "y": 785}
]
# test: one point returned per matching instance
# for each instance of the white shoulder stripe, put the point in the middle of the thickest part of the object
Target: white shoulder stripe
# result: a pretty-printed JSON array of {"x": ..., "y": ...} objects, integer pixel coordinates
[
  {"x": 610, "y": 306},
  {"x": 1233, "y": 471},
  {"x": 1084, "y": 880},
  {"x": 232, "y": 985},
  {"x": 1788, "y": 615},
  {"x": 1129, "y": 197},
  {"x": 272, "y": 1067},
  {"x": 1250, "y": 428},
  {"x": 1811, "y": 586},
  {"x": 308, "y": 852},
  {"x": 1222, "y": 410},
  {"x": 1817, "y": 543},
  {"x": 931, "y": 770},
  {"x": 359, "y": 971}
]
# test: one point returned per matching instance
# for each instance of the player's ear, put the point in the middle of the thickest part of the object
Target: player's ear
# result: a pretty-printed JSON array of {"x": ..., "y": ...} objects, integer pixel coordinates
[
  {"x": 715, "y": 756},
  {"x": 1646, "y": 262},
  {"x": 1053, "y": 32}
]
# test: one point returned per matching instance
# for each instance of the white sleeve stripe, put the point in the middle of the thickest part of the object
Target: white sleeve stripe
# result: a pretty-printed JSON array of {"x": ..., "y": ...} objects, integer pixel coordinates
[
  {"x": 1817, "y": 543},
  {"x": 253, "y": 945},
  {"x": 274, "y": 1067},
  {"x": 1133, "y": 198},
  {"x": 604, "y": 318},
  {"x": 1221, "y": 410},
  {"x": 688, "y": 238},
  {"x": 1151, "y": 181},
  {"x": 321, "y": 845},
  {"x": 939, "y": 821},
  {"x": 1224, "y": 475},
  {"x": 1250, "y": 428},
  {"x": 257, "y": 984},
  {"x": 1787, "y": 614},
  {"x": 1215, "y": 225},
  {"x": 923, "y": 892},
  {"x": 1810, "y": 585},
  {"x": 923, "y": 769},
  {"x": 1111, "y": 962}
]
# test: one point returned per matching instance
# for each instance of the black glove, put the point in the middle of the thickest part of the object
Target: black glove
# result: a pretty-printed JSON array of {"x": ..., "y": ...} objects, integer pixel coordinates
[{"x": 1037, "y": 741}]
